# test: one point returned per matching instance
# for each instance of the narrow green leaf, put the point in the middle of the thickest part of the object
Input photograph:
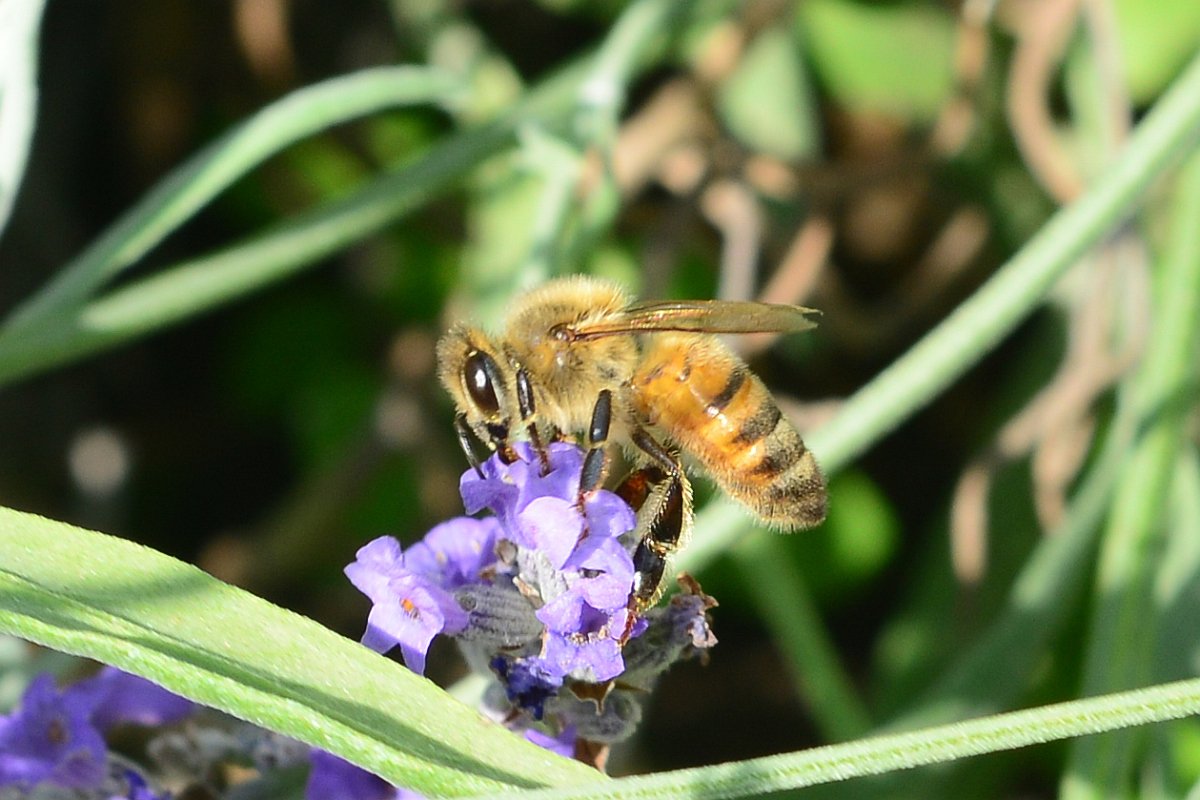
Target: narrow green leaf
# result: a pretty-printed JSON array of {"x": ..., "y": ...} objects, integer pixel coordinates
[
  {"x": 879, "y": 754},
  {"x": 118, "y": 602},
  {"x": 1177, "y": 584},
  {"x": 193, "y": 184},
  {"x": 1120, "y": 641},
  {"x": 20, "y": 22}
]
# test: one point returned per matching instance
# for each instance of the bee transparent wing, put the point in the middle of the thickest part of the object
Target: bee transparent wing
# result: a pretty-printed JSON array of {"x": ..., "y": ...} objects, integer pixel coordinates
[{"x": 698, "y": 316}]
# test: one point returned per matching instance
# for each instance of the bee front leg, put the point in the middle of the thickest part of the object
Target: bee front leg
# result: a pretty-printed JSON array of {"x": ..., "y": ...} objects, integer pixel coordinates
[
  {"x": 464, "y": 440},
  {"x": 525, "y": 404}
]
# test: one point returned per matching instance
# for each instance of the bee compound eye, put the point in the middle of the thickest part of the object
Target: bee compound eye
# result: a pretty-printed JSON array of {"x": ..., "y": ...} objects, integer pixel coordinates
[{"x": 478, "y": 376}]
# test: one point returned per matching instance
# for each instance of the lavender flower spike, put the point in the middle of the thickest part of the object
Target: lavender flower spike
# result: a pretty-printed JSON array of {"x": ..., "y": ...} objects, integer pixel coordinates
[{"x": 538, "y": 595}]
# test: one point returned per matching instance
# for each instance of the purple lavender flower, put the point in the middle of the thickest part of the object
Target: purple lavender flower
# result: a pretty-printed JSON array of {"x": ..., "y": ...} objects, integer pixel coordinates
[
  {"x": 50, "y": 738},
  {"x": 409, "y": 608},
  {"x": 539, "y": 595},
  {"x": 455, "y": 553},
  {"x": 118, "y": 697},
  {"x": 55, "y": 737}
]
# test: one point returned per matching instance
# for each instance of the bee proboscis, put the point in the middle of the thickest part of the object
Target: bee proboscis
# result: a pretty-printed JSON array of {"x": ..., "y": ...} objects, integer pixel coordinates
[{"x": 577, "y": 359}]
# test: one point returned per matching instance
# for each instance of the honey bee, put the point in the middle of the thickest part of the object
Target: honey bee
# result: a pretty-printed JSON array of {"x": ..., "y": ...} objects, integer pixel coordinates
[{"x": 577, "y": 359}]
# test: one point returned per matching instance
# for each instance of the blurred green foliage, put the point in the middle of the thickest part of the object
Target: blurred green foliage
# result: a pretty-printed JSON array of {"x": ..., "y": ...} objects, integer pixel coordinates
[{"x": 306, "y": 414}]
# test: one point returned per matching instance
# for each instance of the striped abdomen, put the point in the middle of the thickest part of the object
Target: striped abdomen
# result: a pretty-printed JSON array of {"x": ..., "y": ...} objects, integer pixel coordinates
[{"x": 716, "y": 410}]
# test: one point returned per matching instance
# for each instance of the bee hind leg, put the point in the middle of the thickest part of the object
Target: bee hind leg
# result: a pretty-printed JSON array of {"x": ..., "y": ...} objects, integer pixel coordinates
[{"x": 662, "y": 495}]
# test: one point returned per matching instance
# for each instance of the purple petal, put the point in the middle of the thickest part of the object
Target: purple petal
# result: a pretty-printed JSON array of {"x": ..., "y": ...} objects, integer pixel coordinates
[
  {"x": 552, "y": 525},
  {"x": 117, "y": 697},
  {"x": 610, "y": 576},
  {"x": 605, "y": 592},
  {"x": 601, "y": 655},
  {"x": 491, "y": 491},
  {"x": 608, "y": 515},
  {"x": 566, "y": 465},
  {"x": 563, "y": 744},
  {"x": 563, "y": 614},
  {"x": 375, "y": 565},
  {"x": 413, "y": 612},
  {"x": 455, "y": 552}
]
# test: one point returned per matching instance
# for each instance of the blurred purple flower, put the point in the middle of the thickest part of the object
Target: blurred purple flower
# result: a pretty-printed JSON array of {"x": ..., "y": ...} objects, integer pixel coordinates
[
  {"x": 50, "y": 738},
  {"x": 563, "y": 744},
  {"x": 137, "y": 789},
  {"x": 56, "y": 737},
  {"x": 334, "y": 778},
  {"x": 116, "y": 697}
]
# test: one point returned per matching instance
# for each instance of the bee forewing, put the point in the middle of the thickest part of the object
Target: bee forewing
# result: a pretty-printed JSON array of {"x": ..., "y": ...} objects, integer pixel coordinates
[{"x": 699, "y": 316}]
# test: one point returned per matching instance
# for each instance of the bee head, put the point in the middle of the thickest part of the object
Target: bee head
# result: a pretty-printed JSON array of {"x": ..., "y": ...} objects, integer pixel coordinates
[{"x": 479, "y": 379}]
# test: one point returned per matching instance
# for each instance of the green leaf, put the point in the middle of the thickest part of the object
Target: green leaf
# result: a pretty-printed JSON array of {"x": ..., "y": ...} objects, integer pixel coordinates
[
  {"x": 786, "y": 126},
  {"x": 193, "y": 184},
  {"x": 20, "y": 21},
  {"x": 881, "y": 754},
  {"x": 894, "y": 59},
  {"x": 118, "y": 602},
  {"x": 1121, "y": 637}
]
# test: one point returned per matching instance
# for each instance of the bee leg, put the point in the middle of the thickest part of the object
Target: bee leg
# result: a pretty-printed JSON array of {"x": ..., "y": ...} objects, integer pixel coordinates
[
  {"x": 666, "y": 524},
  {"x": 595, "y": 463},
  {"x": 464, "y": 441},
  {"x": 664, "y": 531},
  {"x": 526, "y": 406}
]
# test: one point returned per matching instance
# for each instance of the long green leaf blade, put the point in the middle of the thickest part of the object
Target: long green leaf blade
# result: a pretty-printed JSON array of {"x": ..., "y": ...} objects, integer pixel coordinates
[
  {"x": 119, "y": 602},
  {"x": 879, "y": 754},
  {"x": 205, "y": 175},
  {"x": 20, "y": 22}
]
